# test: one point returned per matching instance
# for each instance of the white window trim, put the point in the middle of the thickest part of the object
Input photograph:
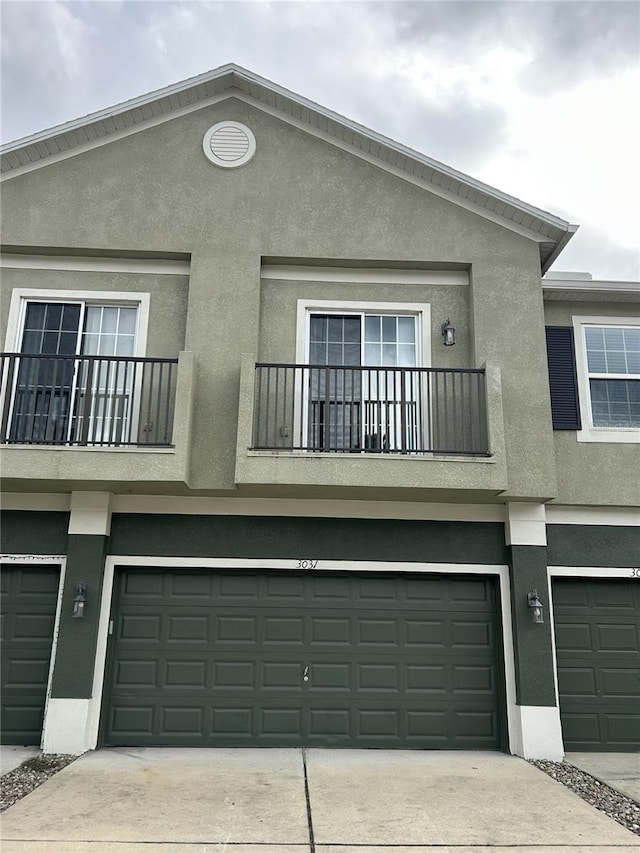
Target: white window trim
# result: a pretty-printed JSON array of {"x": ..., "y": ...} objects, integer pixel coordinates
[
  {"x": 589, "y": 433},
  {"x": 21, "y": 296},
  {"x": 306, "y": 307}
]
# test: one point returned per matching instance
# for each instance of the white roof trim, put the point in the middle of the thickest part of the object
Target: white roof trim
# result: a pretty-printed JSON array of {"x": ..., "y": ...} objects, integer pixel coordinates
[
  {"x": 230, "y": 80},
  {"x": 587, "y": 289}
]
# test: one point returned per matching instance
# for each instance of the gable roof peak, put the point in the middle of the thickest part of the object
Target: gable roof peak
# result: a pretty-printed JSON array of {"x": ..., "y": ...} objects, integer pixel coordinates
[{"x": 98, "y": 128}]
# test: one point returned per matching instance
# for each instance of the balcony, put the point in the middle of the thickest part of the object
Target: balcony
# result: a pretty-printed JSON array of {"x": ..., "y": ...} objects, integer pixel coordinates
[
  {"x": 434, "y": 429},
  {"x": 370, "y": 410},
  {"x": 118, "y": 406}
]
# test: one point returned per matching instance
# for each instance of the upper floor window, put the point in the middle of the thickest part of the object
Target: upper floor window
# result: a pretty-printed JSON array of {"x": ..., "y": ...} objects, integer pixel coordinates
[
  {"x": 608, "y": 367},
  {"x": 76, "y": 377}
]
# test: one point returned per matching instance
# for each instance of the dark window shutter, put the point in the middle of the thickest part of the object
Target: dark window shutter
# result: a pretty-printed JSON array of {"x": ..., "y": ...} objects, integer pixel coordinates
[{"x": 563, "y": 382}]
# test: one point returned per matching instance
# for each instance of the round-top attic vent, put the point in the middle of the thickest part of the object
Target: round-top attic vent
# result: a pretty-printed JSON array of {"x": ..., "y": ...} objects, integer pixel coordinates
[{"x": 229, "y": 144}]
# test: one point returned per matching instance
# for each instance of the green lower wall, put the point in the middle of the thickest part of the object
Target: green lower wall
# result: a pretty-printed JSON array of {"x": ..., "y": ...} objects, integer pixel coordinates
[
  {"x": 77, "y": 638},
  {"x": 33, "y": 532},
  {"x": 592, "y": 545},
  {"x": 532, "y": 643},
  {"x": 307, "y": 538}
]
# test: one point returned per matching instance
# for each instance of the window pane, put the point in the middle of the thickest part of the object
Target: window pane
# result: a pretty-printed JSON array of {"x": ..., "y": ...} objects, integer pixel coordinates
[
  {"x": 596, "y": 361},
  {"x": 53, "y": 316},
  {"x": 406, "y": 355},
  {"x": 90, "y": 344},
  {"x": 49, "y": 342},
  {"x": 317, "y": 353},
  {"x": 632, "y": 340},
  {"x": 633, "y": 362},
  {"x": 616, "y": 362},
  {"x": 107, "y": 345},
  {"x": 67, "y": 343},
  {"x": 352, "y": 330},
  {"x": 407, "y": 329},
  {"x": 335, "y": 329},
  {"x": 389, "y": 355},
  {"x": 352, "y": 354},
  {"x": 70, "y": 318},
  {"x": 611, "y": 403},
  {"x": 594, "y": 338},
  {"x": 318, "y": 328},
  {"x": 613, "y": 338},
  {"x": 109, "y": 320},
  {"x": 389, "y": 333},
  {"x": 35, "y": 316},
  {"x": 372, "y": 355},
  {"x": 124, "y": 344},
  {"x": 31, "y": 342},
  {"x": 92, "y": 318},
  {"x": 127, "y": 325},
  {"x": 372, "y": 330},
  {"x": 334, "y": 354}
]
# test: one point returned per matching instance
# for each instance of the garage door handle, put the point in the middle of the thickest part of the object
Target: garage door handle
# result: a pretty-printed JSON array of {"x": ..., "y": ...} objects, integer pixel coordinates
[{"x": 305, "y": 674}]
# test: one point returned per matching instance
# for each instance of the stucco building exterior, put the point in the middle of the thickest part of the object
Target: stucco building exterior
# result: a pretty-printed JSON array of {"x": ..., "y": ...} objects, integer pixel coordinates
[{"x": 296, "y": 436}]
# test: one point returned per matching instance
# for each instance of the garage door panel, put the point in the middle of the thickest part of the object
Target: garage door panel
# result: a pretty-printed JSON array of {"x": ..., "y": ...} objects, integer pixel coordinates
[
  {"x": 617, "y": 638},
  {"x": 598, "y": 662},
  {"x": 29, "y": 601},
  {"x": 231, "y": 669}
]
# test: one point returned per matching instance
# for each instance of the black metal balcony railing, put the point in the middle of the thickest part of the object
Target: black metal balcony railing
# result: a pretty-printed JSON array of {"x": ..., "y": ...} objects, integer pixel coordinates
[
  {"x": 406, "y": 410},
  {"x": 87, "y": 400}
]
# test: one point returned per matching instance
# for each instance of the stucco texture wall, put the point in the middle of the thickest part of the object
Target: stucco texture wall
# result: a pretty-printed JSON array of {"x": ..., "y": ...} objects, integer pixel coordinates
[
  {"x": 598, "y": 473},
  {"x": 299, "y": 197},
  {"x": 167, "y": 300}
]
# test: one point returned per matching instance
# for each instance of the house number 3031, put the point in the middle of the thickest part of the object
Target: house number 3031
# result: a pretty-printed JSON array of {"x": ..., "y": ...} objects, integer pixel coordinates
[{"x": 307, "y": 564}]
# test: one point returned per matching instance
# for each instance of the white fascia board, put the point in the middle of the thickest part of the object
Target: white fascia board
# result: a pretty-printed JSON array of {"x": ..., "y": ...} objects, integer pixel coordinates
[
  {"x": 261, "y": 85},
  {"x": 552, "y": 285},
  {"x": 597, "y": 516}
]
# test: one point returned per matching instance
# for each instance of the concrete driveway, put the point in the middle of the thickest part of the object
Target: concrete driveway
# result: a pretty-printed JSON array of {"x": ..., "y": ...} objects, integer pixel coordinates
[{"x": 317, "y": 801}]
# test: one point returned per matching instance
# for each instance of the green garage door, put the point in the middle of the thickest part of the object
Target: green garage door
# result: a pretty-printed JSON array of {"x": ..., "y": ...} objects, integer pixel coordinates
[
  {"x": 597, "y": 625},
  {"x": 29, "y": 597},
  {"x": 205, "y": 658}
]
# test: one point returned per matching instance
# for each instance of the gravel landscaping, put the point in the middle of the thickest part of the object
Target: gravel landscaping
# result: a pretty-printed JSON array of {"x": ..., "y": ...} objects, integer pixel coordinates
[
  {"x": 614, "y": 804},
  {"x": 19, "y": 782}
]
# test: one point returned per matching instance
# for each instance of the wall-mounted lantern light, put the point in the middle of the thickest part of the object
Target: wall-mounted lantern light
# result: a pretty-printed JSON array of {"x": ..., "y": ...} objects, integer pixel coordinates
[
  {"x": 79, "y": 600},
  {"x": 448, "y": 333},
  {"x": 535, "y": 604}
]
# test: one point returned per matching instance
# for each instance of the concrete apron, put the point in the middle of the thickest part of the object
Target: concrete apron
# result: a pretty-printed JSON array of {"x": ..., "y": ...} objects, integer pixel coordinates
[
  {"x": 256, "y": 801},
  {"x": 619, "y": 770}
]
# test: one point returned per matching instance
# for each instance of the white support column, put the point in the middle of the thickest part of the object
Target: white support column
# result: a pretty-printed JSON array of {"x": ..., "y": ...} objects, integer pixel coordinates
[
  {"x": 537, "y": 731},
  {"x": 526, "y": 524},
  {"x": 90, "y": 513}
]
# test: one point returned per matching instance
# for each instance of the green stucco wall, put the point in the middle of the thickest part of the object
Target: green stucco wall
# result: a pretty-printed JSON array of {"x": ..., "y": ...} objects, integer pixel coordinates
[
  {"x": 278, "y": 301},
  {"x": 298, "y": 198},
  {"x": 76, "y": 648},
  {"x": 34, "y": 532},
  {"x": 167, "y": 303},
  {"x": 601, "y": 546},
  {"x": 532, "y": 643},
  {"x": 307, "y": 538}
]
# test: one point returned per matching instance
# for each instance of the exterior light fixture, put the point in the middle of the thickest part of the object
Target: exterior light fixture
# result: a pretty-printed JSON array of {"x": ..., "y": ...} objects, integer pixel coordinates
[
  {"x": 79, "y": 600},
  {"x": 448, "y": 333},
  {"x": 535, "y": 604}
]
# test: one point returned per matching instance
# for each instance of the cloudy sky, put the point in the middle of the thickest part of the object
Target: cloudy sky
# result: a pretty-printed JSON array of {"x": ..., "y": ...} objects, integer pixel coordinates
[{"x": 539, "y": 99}]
